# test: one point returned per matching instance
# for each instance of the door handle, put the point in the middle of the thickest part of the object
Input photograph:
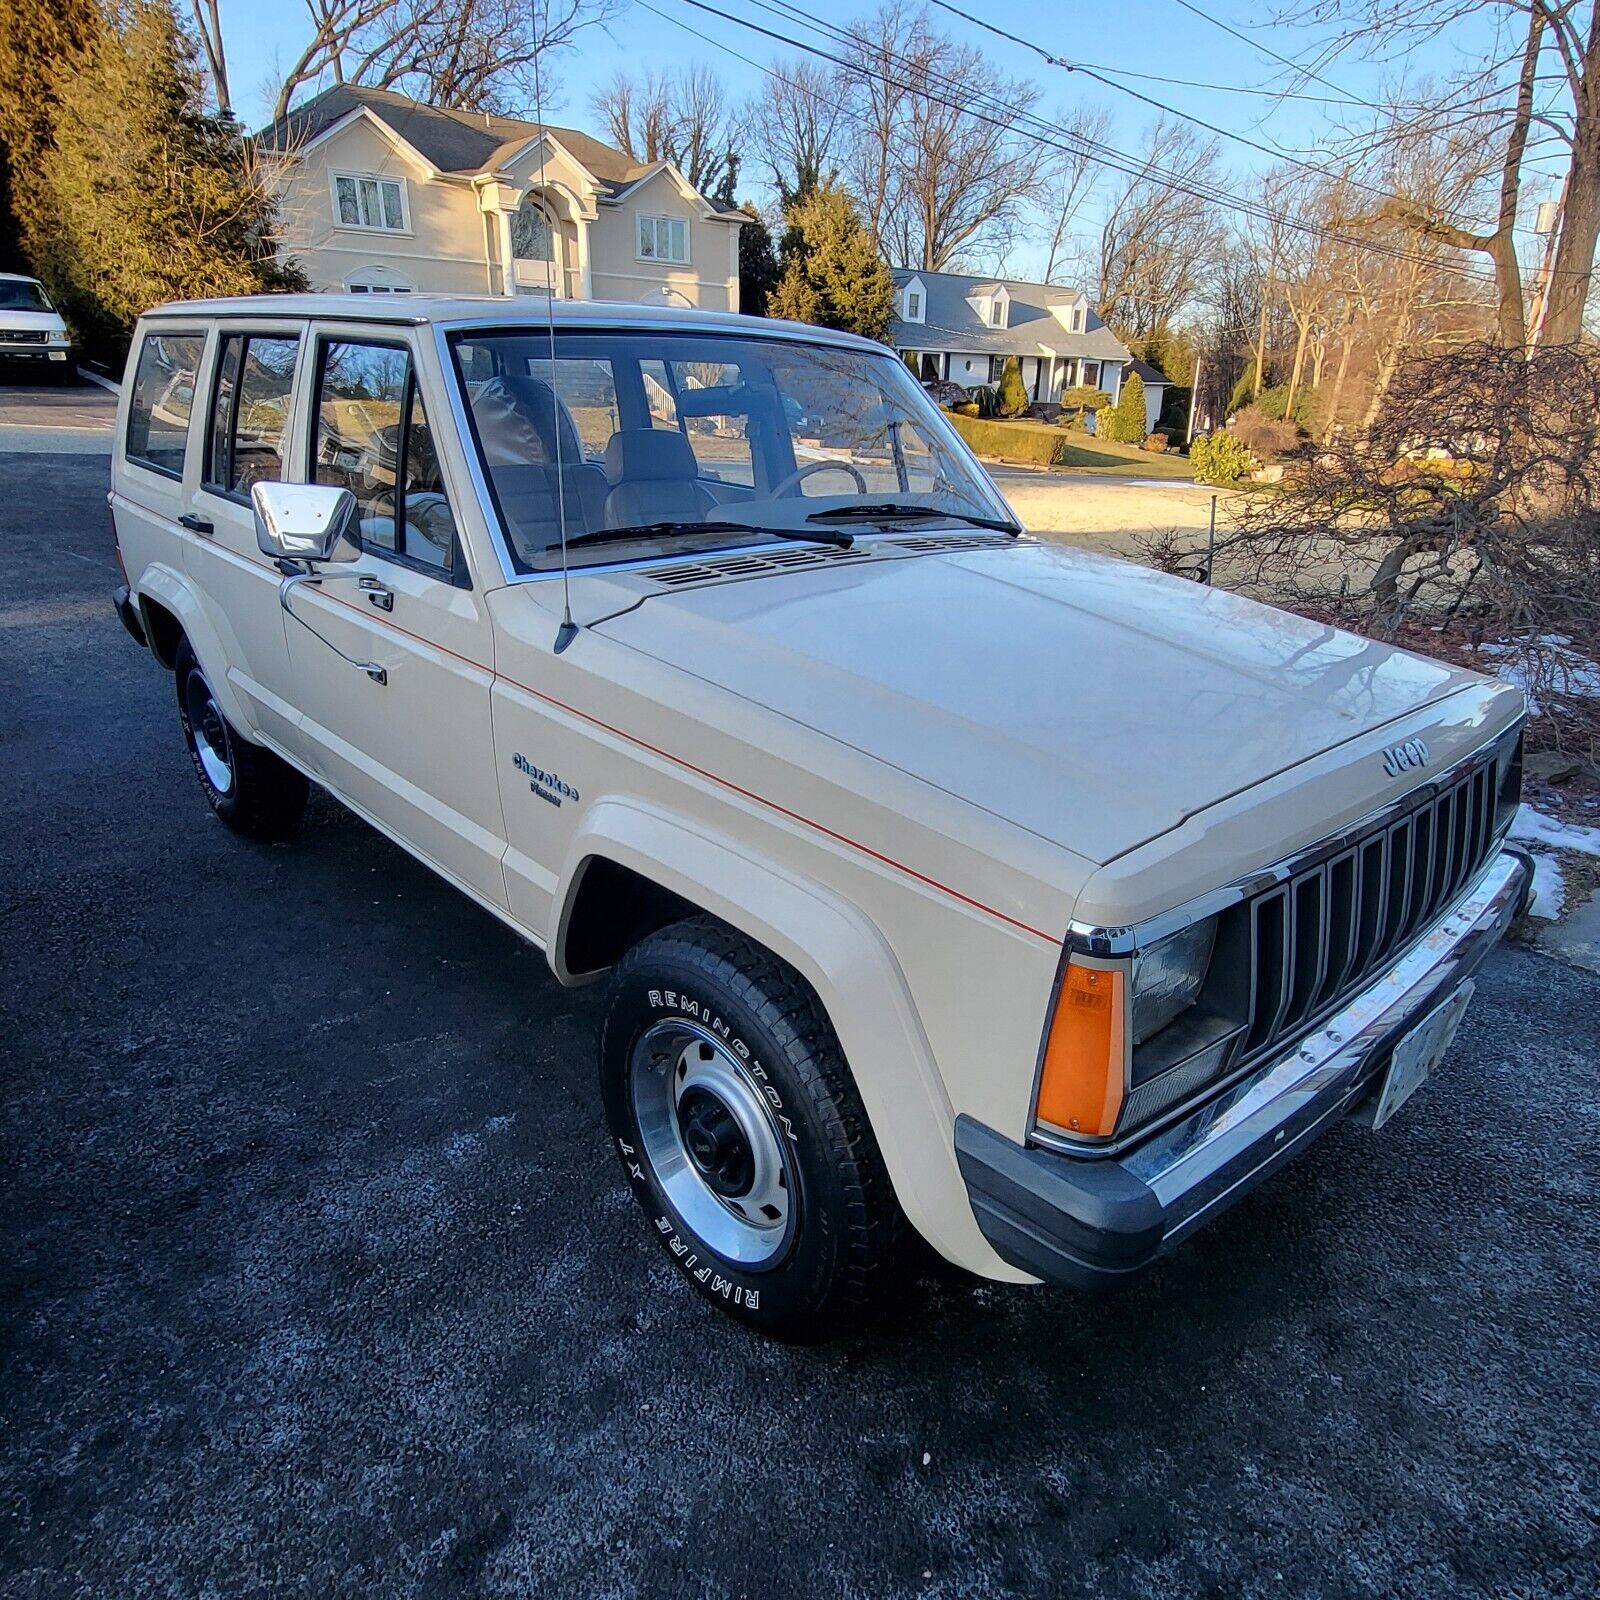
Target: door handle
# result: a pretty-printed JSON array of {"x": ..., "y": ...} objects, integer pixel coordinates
[
  {"x": 196, "y": 524},
  {"x": 377, "y": 594}
]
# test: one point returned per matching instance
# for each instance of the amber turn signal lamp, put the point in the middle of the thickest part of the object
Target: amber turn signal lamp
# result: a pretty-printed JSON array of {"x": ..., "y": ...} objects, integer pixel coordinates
[{"x": 1080, "y": 1090}]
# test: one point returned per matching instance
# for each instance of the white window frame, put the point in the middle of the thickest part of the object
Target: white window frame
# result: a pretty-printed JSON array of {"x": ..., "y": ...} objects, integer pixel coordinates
[
  {"x": 1080, "y": 318},
  {"x": 656, "y": 220},
  {"x": 913, "y": 305},
  {"x": 379, "y": 179},
  {"x": 997, "y": 312}
]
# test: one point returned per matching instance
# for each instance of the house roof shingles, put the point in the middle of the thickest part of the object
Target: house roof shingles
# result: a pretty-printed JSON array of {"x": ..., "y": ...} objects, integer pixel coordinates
[
  {"x": 949, "y": 323},
  {"x": 465, "y": 143}
]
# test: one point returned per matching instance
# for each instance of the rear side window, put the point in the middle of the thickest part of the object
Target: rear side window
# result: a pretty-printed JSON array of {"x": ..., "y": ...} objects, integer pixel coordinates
[
  {"x": 371, "y": 436},
  {"x": 250, "y": 411},
  {"x": 163, "y": 398}
]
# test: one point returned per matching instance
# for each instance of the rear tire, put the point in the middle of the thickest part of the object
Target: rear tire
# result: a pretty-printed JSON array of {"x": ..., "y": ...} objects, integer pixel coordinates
[
  {"x": 255, "y": 792},
  {"x": 741, "y": 1133}
]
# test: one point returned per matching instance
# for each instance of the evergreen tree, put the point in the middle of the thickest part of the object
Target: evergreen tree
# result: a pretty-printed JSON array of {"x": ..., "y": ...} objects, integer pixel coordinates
[
  {"x": 36, "y": 36},
  {"x": 758, "y": 265},
  {"x": 143, "y": 196},
  {"x": 1012, "y": 397},
  {"x": 1126, "y": 418},
  {"x": 832, "y": 274}
]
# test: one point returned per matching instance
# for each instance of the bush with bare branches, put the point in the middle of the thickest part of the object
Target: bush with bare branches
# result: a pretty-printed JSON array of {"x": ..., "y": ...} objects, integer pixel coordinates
[{"x": 1470, "y": 506}]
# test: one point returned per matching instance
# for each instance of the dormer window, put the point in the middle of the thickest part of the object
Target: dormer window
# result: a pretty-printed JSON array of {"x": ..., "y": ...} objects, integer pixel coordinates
[
  {"x": 913, "y": 306},
  {"x": 997, "y": 313},
  {"x": 1080, "y": 316}
]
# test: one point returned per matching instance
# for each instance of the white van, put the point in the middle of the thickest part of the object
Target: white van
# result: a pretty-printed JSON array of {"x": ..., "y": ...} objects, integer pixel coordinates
[{"x": 34, "y": 341}]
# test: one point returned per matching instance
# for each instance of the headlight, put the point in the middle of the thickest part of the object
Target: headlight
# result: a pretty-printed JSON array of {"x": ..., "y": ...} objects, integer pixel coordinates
[
  {"x": 1167, "y": 977},
  {"x": 59, "y": 338}
]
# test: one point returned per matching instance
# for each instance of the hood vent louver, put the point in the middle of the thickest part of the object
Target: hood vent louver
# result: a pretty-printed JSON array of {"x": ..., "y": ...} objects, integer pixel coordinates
[
  {"x": 930, "y": 543},
  {"x": 799, "y": 558},
  {"x": 752, "y": 563}
]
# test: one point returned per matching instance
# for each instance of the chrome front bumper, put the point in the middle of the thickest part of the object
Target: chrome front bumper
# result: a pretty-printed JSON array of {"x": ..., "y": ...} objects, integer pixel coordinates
[{"x": 1092, "y": 1222}]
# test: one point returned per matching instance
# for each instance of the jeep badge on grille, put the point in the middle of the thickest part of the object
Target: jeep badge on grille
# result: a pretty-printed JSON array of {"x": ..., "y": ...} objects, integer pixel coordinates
[{"x": 1398, "y": 757}]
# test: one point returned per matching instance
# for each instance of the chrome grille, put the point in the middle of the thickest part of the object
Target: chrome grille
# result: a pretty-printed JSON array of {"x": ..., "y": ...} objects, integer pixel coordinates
[
  {"x": 21, "y": 336},
  {"x": 1321, "y": 935}
]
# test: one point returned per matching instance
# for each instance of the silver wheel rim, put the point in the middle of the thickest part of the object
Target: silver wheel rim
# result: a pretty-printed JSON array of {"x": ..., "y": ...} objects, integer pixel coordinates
[
  {"x": 713, "y": 1143},
  {"x": 208, "y": 733}
]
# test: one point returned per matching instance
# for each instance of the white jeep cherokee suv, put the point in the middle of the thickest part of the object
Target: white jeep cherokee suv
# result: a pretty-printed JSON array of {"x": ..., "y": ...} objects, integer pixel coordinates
[{"x": 943, "y": 876}]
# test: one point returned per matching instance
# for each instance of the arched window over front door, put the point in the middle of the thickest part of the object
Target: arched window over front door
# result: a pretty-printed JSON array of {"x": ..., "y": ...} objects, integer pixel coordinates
[{"x": 530, "y": 232}]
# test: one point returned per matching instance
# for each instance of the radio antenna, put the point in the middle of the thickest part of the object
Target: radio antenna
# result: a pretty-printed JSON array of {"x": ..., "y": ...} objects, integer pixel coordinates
[{"x": 568, "y": 631}]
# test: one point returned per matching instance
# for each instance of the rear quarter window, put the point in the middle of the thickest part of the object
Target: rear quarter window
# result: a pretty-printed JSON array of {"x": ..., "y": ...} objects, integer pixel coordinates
[{"x": 162, "y": 401}]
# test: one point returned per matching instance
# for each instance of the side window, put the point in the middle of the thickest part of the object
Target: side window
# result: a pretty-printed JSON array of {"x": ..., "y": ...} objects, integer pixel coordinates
[
  {"x": 371, "y": 436},
  {"x": 250, "y": 411},
  {"x": 163, "y": 397}
]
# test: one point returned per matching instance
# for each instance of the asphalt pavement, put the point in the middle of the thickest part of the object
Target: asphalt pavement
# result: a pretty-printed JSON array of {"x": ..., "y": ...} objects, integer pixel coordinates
[{"x": 319, "y": 1278}]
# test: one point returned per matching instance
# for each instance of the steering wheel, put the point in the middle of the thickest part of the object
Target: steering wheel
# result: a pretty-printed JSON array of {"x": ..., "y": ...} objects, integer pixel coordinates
[{"x": 800, "y": 474}]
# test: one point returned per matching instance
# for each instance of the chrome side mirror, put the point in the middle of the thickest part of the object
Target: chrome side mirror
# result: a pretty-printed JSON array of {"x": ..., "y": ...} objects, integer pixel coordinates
[{"x": 305, "y": 521}]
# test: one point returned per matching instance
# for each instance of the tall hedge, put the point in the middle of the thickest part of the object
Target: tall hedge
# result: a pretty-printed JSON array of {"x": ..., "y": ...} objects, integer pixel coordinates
[
  {"x": 1126, "y": 418},
  {"x": 1012, "y": 396}
]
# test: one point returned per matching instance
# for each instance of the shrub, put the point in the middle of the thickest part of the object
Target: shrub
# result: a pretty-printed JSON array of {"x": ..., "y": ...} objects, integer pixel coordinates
[
  {"x": 1125, "y": 421},
  {"x": 984, "y": 396},
  {"x": 1156, "y": 443},
  {"x": 1076, "y": 404},
  {"x": 1220, "y": 458},
  {"x": 1306, "y": 413},
  {"x": 1011, "y": 398},
  {"x": 1262, "y": 436}
]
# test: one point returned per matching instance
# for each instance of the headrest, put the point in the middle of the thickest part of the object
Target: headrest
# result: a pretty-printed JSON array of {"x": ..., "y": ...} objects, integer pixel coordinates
[
  {"x": 517, "y": 418},
  {"x": 649, "y": 455}
]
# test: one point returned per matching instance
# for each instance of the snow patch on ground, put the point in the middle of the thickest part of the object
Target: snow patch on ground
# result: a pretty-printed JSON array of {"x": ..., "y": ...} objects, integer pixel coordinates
[
  {"x": 1549, "y": 888},
  {"x": 1532, "y": 825},
  {"x": 1563, "y": 668}
]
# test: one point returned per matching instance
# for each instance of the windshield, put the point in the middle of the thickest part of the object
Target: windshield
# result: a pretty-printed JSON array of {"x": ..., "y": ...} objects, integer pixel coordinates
[
  {"x": 23, "y": 294},
  {"x": 682, "y": 435}
]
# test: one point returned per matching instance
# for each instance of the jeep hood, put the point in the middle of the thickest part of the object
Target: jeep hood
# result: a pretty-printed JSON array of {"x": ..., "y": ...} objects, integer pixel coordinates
[{"x": 1091, "y": 701}]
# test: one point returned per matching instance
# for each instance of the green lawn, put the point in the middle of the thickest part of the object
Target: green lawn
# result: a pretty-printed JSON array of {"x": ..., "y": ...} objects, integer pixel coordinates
[
  {"x": 1065, "y": 449},
  {"x": 1084, "y": 453}
]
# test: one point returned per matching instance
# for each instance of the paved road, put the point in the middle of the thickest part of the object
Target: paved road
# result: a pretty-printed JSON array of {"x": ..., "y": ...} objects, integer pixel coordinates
[
  {"x": 318, "y": 1278},
  {"x": 39, "y": 418}
]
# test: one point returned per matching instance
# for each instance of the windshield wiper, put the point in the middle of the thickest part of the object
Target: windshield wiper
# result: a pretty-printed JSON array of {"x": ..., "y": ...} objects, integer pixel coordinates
[
  {"x": 892, "y": 510},
  {"x": 663, "y": 530}
]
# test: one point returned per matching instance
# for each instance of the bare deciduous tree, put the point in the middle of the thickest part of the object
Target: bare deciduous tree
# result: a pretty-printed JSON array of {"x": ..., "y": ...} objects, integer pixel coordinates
[
  {"x": 1158, "y": 239},
  {"x": 1070, "y": 181},
  {"x": 475, "y": 55},
  {"x": 1501, "y": 101},
  {"x": 794, "y": 127},
  {"x": 683, "y": 118},
  {"x": 932, "y": 156}
]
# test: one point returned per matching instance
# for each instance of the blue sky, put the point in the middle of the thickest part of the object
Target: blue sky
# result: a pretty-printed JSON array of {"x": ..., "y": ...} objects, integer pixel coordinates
[{"x": 1149, "y": 36}]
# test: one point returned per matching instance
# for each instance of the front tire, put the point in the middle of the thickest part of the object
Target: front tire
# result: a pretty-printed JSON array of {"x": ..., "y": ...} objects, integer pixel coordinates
[
  {"x": 740, "y": 1130},
  {"x": 255, "y": 792}
]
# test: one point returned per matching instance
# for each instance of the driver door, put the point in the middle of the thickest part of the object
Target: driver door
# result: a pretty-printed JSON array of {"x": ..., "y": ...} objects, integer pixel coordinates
[{"x": 404, "y": 735}]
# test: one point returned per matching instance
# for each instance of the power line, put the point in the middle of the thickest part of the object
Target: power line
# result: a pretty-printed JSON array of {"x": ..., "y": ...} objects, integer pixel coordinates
[
  {"x": 1276, "y": 154},
  {"x": 1255, "y": 44},
  {"x": 1005, "y": 118}
]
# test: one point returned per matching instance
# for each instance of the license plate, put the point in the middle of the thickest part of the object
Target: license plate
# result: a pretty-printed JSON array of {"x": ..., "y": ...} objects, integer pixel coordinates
[{"x": 1419, "y": 1052}]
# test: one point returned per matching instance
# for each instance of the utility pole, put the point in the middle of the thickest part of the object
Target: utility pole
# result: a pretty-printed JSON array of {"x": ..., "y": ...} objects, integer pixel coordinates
[
  {"x": 1194, "y": 401},
  {"x": 1547, "y": 225}
]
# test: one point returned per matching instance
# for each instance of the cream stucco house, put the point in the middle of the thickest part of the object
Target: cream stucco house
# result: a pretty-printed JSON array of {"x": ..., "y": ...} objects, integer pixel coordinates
[{"x": 380, "y": 194}]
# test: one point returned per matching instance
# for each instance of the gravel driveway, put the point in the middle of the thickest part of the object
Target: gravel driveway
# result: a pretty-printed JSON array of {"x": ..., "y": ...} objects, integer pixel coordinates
[{"x": 319, "y": 1278}]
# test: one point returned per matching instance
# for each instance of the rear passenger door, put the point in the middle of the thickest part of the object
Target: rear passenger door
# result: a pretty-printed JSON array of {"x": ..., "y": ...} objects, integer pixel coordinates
[
  {"x": 249, "y": 398},
  {"x": 154, "y": 473},
  {"x": 414, "y": 750}
]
